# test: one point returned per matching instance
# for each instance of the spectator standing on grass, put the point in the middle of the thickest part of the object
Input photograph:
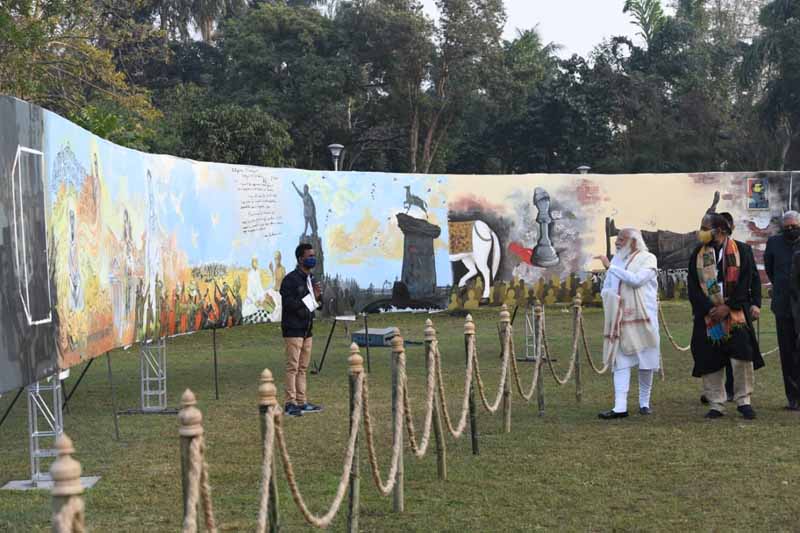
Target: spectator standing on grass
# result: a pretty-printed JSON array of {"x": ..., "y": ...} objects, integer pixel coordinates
[
  {"x": 630, "y": 306},
  {"x": 755, "y": 310},
  {"x": 300, "y": 297},
  {"x": 720, "y": 275},
  {"x": 778, "y": 264}
]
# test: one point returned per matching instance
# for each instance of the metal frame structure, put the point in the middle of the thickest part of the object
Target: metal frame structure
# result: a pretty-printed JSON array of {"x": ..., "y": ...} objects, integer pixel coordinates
[
  {"x": 46, "y": 408},
  {"x": 153, "y": 376},
  {"x": 531, "y": 352}
]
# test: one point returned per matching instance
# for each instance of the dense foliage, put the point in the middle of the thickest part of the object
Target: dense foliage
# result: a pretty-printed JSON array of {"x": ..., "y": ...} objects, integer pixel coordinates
[{"x": 706, "y": 85}]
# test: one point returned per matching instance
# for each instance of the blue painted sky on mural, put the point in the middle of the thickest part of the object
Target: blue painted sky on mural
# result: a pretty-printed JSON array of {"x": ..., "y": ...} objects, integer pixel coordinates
[{"x": 198, "y": 202}]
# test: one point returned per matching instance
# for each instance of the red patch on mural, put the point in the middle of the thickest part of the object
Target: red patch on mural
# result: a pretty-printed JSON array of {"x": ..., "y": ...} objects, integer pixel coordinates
[
  {"x": 471, "y": 202},
  {"x": 704, "y": 179},
  {"x": 520, "y": 251},
  {"x": 588, "y": 192}
]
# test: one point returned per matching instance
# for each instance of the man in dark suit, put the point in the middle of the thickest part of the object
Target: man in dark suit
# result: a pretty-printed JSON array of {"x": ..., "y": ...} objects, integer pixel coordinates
[
  {"x": 778, "y": 264},
  {"x": 720, "y": 277}
]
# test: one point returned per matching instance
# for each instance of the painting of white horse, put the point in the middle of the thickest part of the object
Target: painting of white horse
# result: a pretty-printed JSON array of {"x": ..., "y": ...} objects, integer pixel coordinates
[{"x": 475, "y": 244}]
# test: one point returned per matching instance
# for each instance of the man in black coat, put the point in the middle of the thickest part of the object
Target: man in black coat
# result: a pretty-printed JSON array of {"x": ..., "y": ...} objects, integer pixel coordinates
[
  {"x": 720, "y": 276},
  {"x": 300, "y": 296},
  {"x": 778, "y": 264},
  {"x": 755, "y": 304}
]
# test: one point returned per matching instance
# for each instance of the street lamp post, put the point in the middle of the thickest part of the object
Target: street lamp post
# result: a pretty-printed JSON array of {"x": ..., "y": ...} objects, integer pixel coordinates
[{"x": 336, "y": 153}]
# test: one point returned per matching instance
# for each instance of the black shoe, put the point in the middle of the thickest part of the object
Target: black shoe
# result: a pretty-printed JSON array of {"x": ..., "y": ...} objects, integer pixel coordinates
[
  {"x": 611, "y": 415},
  {"x": 310, "y": 408},
  {"x": 747, "y": 412},
  {"x": 793, "y": 405},
  {"x": 730, "y": 397},
  {"x": 713, "y": 413},
  {"x": 292, "y": 409},
  {"x": 645, "y": 411},
  {"x": 703, "y": 399}
]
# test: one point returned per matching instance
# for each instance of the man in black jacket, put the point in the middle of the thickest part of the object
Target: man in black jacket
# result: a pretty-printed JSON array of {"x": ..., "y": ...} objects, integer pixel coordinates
[
  {"x": 300, "y": 295},
  {"x": 720, "y": 275},
  {"x": 778, "y": 264},
  {"x": 755, "y": 304}
]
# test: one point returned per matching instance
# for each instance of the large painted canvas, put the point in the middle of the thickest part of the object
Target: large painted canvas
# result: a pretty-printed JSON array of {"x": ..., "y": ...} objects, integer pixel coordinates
[
  {"x": 27, "y": 347},
  {"x": 102, "y": 246}
]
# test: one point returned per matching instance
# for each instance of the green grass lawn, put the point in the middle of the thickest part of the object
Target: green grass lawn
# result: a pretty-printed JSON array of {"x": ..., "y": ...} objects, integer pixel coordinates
[{"x": 566, "y": 470}]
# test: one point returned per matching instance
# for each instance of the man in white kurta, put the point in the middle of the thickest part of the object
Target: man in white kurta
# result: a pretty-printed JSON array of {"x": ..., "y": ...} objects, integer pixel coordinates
[{"x": 630, "y": 301}]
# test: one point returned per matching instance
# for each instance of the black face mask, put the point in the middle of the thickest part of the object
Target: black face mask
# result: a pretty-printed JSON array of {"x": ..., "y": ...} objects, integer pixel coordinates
[{"x": 791, "y": 234}]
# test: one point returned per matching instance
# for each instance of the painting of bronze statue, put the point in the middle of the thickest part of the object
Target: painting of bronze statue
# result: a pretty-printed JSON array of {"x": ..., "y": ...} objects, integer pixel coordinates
[{"x": 670, "y": 248}]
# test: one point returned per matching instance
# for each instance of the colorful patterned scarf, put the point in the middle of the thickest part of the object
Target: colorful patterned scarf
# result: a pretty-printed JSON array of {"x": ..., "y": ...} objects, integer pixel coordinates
[{"x": 707, "y": 272}]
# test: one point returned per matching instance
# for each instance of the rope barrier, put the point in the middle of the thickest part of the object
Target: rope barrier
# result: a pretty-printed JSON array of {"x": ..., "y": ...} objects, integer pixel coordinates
[
  {"x": 70, "y": 518},
  {"x": 606, "y": 366},
  {"x": 571, "y": 369},
  {"x": 385, "y": 488},
  {"x": 420, "y": 450},
  {"x": 199, "y": 489},
  {"x": 689, "y": 346},
  {"x": 669, "y": 333},
  {"x": 493, "y": 407},
  {"x": 527, "y": 396},
  {"x": 325, "y": 520},
  {"x": 266, "y": 470},
  {"x": 457, "y": 431}
]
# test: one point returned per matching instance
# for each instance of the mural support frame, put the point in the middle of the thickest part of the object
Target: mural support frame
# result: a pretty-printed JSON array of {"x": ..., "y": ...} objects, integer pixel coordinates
[
  {"x": 50, "y": 411},
  {"x": 152, "y": 380},
  {"x": 530, "y": 337}
]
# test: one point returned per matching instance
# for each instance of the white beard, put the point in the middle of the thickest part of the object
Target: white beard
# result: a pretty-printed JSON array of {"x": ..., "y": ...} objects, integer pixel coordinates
[{"x": 624, "y": 253}]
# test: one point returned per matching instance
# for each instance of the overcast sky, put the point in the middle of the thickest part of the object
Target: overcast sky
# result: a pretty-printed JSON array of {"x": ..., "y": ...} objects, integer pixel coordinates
[{"x": 578, "y": 25}]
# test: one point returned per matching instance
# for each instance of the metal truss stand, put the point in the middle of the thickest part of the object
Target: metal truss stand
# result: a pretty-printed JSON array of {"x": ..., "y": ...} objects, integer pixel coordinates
[
  {"x": 45, "y": 425},
  {"x": 153, "y": 380},
  {"x": 530, "y": 336}
]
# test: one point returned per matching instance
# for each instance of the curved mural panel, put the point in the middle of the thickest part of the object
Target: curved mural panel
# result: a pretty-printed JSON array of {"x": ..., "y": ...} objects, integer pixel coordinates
[{"x": 102, "y": 246}]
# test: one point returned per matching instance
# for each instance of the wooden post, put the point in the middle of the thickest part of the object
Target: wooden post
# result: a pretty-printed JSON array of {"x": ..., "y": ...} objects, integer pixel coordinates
[
  {"x": 538, "y": 349},
  {"x": 67, "y": 488},
  {"x": 191, "y": 426},
  {"x": 356, "y": 363},
  {"x": 438, "y": 430},
  {"x": 398, "y": 358},
  {"x": 577, "y": 303},
  {"x": 469, "y": 337},
  {"x": 267, "y": 403},
  {"x": 505, "y": 328}
]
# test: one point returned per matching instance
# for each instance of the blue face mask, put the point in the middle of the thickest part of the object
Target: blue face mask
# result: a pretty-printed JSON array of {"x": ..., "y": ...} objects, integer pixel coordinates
[{"x": 310, "y": 262}]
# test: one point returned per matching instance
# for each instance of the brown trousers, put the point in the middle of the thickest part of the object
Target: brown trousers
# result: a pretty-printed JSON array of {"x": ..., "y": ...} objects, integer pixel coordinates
[
  {"x": 298, "y": 356},
  {"x": 714, "y": 385}
]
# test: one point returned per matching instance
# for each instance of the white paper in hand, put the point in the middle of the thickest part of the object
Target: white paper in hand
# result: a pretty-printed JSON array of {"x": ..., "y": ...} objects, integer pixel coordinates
[{"x": 310, "y": 302}]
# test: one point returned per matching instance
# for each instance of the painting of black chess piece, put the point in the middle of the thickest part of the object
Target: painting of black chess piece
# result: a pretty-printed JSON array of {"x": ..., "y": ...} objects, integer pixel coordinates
[
  {"x": 544, "y": 253},
  {"x": 412, "y": 201},
  {"x": 672, "y": 249}
]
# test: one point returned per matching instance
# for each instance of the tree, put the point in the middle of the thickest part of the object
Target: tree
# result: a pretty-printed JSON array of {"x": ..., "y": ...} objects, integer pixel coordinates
[
  {"x": 773, "y": 62},
  {"x": 49, "y": 56},
  {"x": 647, "y": 16}
]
